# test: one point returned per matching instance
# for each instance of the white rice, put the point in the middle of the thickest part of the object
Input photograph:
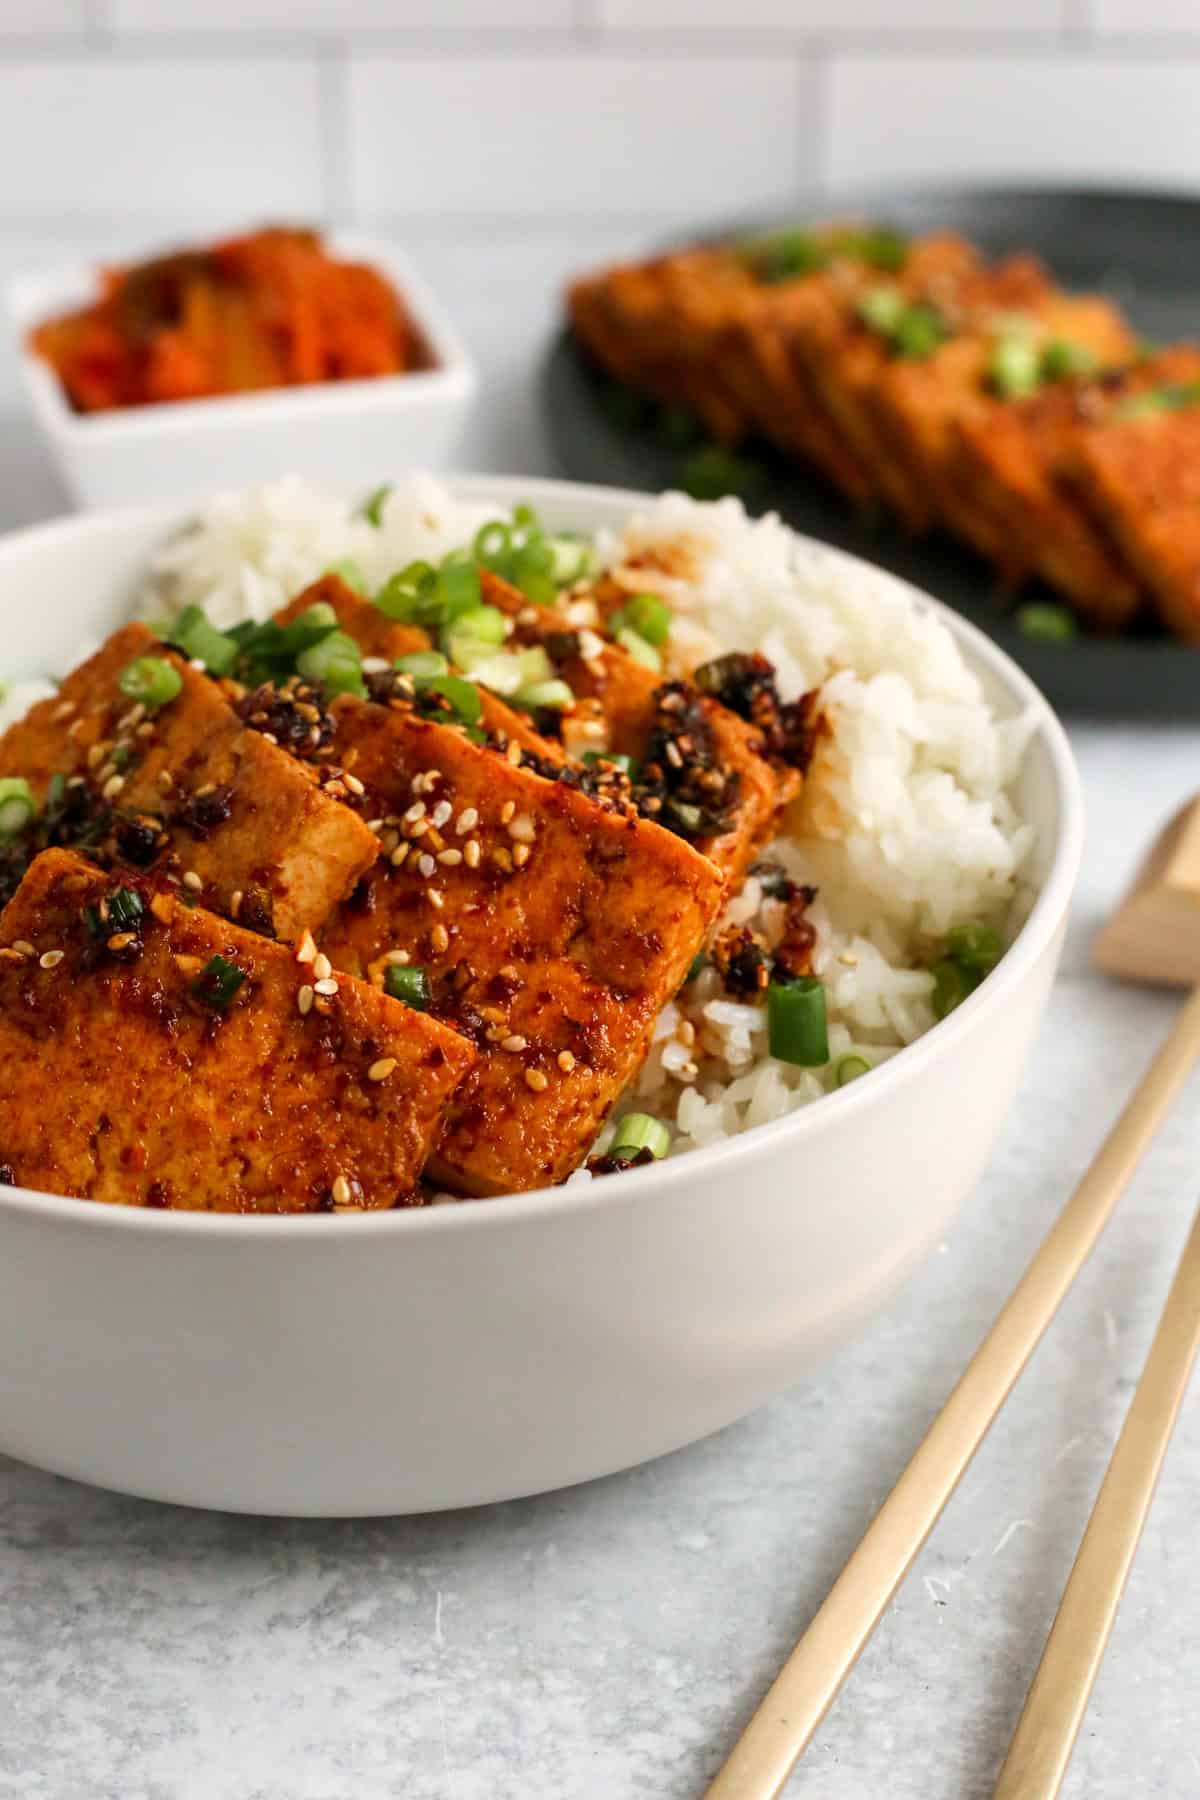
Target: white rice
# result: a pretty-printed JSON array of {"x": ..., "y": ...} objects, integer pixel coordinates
[{"x": 905, "y": 824}]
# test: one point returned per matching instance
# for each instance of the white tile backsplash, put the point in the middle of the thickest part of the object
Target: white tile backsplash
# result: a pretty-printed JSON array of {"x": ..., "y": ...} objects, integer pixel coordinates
[
  {"x": 1145, "y": 16},
  {"x": 507, "y": 136},
  {"x": 222, "y": 139},
  {"x": 803, "y": 18},
  {"x": 338, "y": 20},
  {"x": 1051, "y": 116},
  {"x": 35, "y": 17}
]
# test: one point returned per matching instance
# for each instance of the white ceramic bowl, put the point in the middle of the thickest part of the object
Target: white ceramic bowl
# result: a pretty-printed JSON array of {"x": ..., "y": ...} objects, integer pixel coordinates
[
  {"x": 340, "y": 432},
  {"x": 398, "y": 1362}
]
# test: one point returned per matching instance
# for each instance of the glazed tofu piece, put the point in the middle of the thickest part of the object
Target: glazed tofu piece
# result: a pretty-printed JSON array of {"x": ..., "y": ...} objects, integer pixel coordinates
[
  {"x": 844, "y": 358},
  {"x": 551, "y": 928},
  {"x": 169, "y": 1058},
  {"x": 1139, "y": 475},
  {"x": 619, "y": 707},
  {"x": 192, "y": 790}
]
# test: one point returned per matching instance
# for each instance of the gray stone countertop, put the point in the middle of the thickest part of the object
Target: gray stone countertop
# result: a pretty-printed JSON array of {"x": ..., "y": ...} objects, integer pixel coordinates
[{"x": 605, "y": 1643}]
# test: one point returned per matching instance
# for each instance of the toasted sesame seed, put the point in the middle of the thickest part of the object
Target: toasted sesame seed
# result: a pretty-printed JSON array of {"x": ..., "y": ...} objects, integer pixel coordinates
[
  {"x": 75, "y": 727},
  {"x": 327, "y": 985},
  {"x": 192, "y": 880},
  {"x": 379, "y": 1071},
  {"x": 322, "y": 967},
  {"x": 522, "y": 828},
  {"x": 210, "y": 787},
  {"x": 304, "y": 999},
  {"x": 341, "y": 1191},
  {"x": 516, "y": 1043},
  {"x": 673, "y": 754},
  {"x": 417, "y": 829},
  {"x": 50, "y": 959},
  {"x": 450, "y": 858},
  {"x": 425, "y": 865},
  {"x": 354, "y": 784},
  {"x": 566, "y": 1061},
  {"x": 848, "y": 959},
  {"x": 416, "y": 811},
  {"x": 398, "y": 855},
  {"x": 306, "y": 949},
  {"x": 235, "y": 902},
  {"x": 439, "y": 937},
  {"x": 145, "y": 729},
  {"x": 121, "y": 940},
  {"x": 97, "y": 754},
  {"x": 375, "y": 825},
  {"x": 335, "y": 789},
  {"x": 196, "y": 662},
  {"x": 507, "y": 811},
  {"x": 472, "y": 853},
  {"x": 441, "y": 812},
  {"x": 503, "y": 860},
  {"x": 165, "y": 778},
  {"x": 400, "y": 957},
  {"x": 63, "y": 710},
  {"x": 23, "y": 945},
  {"x": 11, "y": 954},
  {"x": 510, "y": 971},
  {"x": 521, "y": 855},
  {"x": 113, "y": 786},
  {"x": 536, "y": 1080},
  {"x": 513, "y": 753},
  {"x": 435, "y": 897},
  {"x": 467, "y": 819}
]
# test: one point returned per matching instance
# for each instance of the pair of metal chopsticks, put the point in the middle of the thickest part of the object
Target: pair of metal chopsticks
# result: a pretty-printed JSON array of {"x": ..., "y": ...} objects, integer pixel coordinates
[{"x": 1041, "y": 1747}]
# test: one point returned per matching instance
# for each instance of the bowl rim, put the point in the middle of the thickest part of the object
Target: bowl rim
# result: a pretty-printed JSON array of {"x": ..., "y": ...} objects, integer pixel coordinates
[
  {"x": 1046, "y": 916},
  {"x": 32, "y": 294}
]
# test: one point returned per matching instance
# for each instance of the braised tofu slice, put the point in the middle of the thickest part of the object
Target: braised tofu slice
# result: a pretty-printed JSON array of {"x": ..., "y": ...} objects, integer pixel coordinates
[
  {"x": 1139, "y": 474},
  {"x": 221, "y": 808},
  {"x": 169, "y": 1058},
  {"x": 715, "y": 768},
  {"x": 552, "y": 928}
]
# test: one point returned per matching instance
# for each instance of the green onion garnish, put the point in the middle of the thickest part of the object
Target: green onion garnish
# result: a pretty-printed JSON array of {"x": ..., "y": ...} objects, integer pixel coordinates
[
  {"x": 350, "y": 572},
  {"x": 124, "y": 909},
  {"x": 882, "y": 308},
  {"x": 461, "y": 696},
  {"x": 646, "y": 614},
  {"x": 785, "y": 255},
  {"x": 335, "y": 663},
  {"x": 553, "y": 695},
  {"x": 1174, "y": 396},
  {"x": 320, "y": 616},
  {"x": 952, "y": 982},
  {"x": 1061, "y": 359},
  {"x": 408, "y": 983},
  {"x": 202, "y": 642},
  {"x": 423, "y": 665},
  {"x": 1014, "y": 367},
  {"x": 217, "y": 982},
  {"x": 698, "y": 964},
  {"x": 715, "y": 471},
  {"x": 640, "y": 1131},
  {"x": 796, "y": 1021},
  {"x": 1049, "y": 623},
  {"x": 849, "y": 1068},
  {"x": 918, "y": 333},
  {"x": 372, "y": 507},
  {"x": 617, "y": 759},
  {"x": 635, "y": 645},
  {"x": 17, "y": 809},
  {"x": 151, "y": 680},
  {"x": 974, "y": 946},
  {"x": 483, "y": 624}
]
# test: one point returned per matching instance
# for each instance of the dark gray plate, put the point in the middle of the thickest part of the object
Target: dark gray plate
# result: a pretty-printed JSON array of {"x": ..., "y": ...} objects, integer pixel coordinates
[{"x": 1141, "y": 248}]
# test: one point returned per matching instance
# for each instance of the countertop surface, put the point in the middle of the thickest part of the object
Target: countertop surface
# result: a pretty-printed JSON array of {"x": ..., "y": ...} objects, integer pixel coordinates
[{"x": 605, "y": 1643}]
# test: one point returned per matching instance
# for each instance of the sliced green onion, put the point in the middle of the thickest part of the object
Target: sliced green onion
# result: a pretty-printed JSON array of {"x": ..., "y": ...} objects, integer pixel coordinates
[
  {"x": 635, "y": 645},
  {"x": 974, "y": 946},
  {"x": 640, "y": 1131},
  {"x": 881, "y": 246},
  {"x": 400, "y": 596},
  {"x": 617, "y": 759},
  {"x": 462, "y": 696},
  {"x": 849, "y": 1068},
  {"x": 919, "y": 332},
  {"x": 573, "y": 557},
  {"x": 698, "y": 964},
  {"x": 796, "y": 1022},
  {"x": 785, "y": 255},
  {"x": 497, "y": 670},
  {"x": 349, "y": 571},
  {"x": 553, "y": 695},
  {"x": 951, "y": 985},
  {"x": 320, "y": 616},
  {"x": 124, "y": 909},
  {"x": 217, "y": 982},
  {"x": 649, "y": 616},
  {"x": 335, "y": 664},
  {"x": 1049, "y": 623},
  {"x": 202, "y": 642},
  {"x": 1061, "y": 358},
  {"x": 422, "y": 665},
  {"x": 492, "y": 540},
  {"x": 408, "y": 983},
  {"x": 456, "y": 590},
  {"x": 882, "y": 308},
  {"x": 372, "y": 507},
  {"x": 1172, "y": 397},
  {"x": 715, "y": 471},
  {"x": 485, "y": 624},
  {"x": 151, "y": 680},
  {"x": 17, "y": 809},
  {"x": 1014, "y": 366}
]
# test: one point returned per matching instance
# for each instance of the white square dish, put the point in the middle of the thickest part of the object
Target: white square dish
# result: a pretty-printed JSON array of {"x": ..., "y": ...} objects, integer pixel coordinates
[{"x": 340, "y": 432}]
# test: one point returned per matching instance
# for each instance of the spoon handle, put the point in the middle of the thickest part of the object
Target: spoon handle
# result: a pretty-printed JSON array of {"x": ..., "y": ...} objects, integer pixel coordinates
[
  {"x": 1054, "y": 1708},
  {"x": 808, "y": 1683}
]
